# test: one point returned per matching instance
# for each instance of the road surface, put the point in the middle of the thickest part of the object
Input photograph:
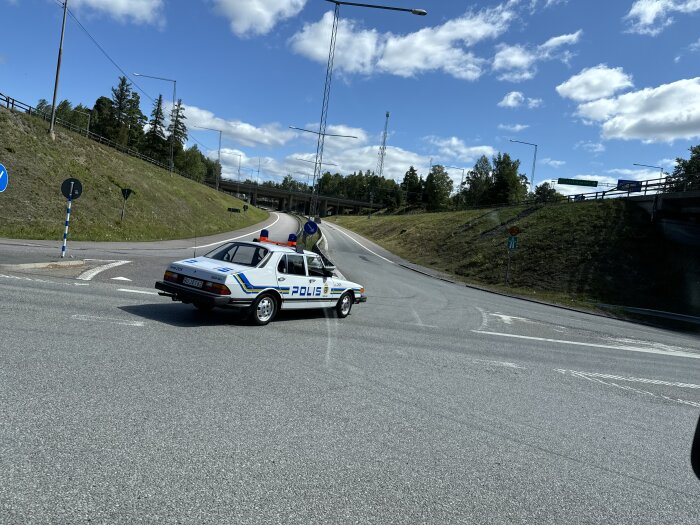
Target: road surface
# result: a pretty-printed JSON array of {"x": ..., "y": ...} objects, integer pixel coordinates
[{"x": 432, "y": 403}]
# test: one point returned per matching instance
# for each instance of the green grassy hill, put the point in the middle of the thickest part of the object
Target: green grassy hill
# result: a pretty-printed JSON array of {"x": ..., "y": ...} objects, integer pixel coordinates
[
  {"x": 163, "y": 206},
  {"x": 578, "y": 254}
]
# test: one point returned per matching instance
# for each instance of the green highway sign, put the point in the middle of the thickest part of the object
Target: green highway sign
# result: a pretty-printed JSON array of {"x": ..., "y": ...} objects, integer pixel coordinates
[{"x": 578, "y": 182}]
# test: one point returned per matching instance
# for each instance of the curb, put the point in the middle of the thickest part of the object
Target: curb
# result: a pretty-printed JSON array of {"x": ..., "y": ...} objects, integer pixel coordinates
[{"x": 39, "y": 265}]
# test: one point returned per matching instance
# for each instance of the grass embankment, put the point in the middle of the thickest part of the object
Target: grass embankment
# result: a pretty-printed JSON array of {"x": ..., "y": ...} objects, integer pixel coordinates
[
  {"x": 163, "y": 206},
  {"x": 574, "y": 254}
]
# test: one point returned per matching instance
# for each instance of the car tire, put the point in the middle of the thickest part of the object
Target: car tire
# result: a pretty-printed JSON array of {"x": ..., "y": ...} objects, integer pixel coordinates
[
  {"x": 344, "y": 305},
  {"x": 264, "y": 309},
  {"x": 203, "y": 307}
]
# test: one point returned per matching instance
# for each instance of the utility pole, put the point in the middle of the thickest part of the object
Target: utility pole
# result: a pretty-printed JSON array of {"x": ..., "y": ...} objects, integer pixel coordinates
[
  {"x": 58, "y": 73},
  {"x": 382, "y": 148}
]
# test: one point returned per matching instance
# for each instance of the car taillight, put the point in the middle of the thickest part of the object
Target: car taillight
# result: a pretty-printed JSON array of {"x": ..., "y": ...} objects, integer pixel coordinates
[
  {"x": 170, "y": 276},
  {"x": 217, "y": 288}
]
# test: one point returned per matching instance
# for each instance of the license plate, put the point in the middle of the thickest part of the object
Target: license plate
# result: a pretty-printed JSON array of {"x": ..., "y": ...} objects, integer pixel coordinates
[{"x": 193, "y": 282}]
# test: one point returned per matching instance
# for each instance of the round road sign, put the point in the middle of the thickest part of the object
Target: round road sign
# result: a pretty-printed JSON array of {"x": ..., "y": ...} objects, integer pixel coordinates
[
  {"x": 310, "y": 227},
  {"x": 77, "y": 188},
  {"x": 514, "y": 230},
  {"x": 3, "y": 178}
]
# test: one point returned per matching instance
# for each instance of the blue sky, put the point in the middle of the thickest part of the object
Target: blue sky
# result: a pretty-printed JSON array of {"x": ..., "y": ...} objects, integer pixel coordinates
[{"x": 598, "y": 85}]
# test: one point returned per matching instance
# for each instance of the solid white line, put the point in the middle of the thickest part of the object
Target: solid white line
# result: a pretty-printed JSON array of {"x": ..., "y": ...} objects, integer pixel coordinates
[
  {"x": 361, "y": 245},
  {"x": 89, "y": 274},
  {"x": 97, "y": 319},
  {"x": 136, "y": 291},
  {"x": 120, "y": 279},
  {"x": 595, "y": 345},
  {"x": 239, "y": 237}
]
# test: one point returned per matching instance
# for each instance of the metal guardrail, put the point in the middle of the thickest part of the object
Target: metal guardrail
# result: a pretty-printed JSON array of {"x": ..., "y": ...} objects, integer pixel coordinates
[{"x": 668, "y": 184}]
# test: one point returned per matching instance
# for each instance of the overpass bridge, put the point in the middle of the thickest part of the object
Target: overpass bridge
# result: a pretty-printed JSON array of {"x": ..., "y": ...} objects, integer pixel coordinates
[{"x": 297, "y": 201}]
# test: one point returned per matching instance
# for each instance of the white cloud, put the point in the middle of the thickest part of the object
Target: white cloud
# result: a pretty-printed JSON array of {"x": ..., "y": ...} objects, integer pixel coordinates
[
  {"x": 455, "y": 149},
  {"x": 635, "y": 174},
  {"x": 519, "y": 62},
  {"x": 651, "y": 17},
  {"x": 591, "y": 147},
  {"x": 438, "y": 48},
  {"x": 257, "y": 17},
  {"x": 695, "y": 46},
  {"x": 594, "y": 83},
  {"x": 515, "y": 128},
  {"x": 240, "y": 132},
  {"x": 139, "y": 11},
  {"x": 516, "y": 99},
  {"x": 553, "y": 163},
  {"x": 663, "y": 114}
]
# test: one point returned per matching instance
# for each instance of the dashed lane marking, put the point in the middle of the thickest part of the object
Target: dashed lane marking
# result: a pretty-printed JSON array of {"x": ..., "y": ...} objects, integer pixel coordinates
[
  {"x": 90, "y": 274},
  {"x": 144, "y": 292},
  {"x": 98, "y": 319}
]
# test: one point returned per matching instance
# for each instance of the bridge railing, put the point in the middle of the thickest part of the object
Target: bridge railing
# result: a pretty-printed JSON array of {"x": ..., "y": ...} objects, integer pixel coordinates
[{"x": 668, "y": 184}]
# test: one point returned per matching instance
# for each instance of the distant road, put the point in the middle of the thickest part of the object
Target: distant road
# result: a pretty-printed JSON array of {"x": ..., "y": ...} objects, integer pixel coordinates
[{"x": 431, "y": 403}]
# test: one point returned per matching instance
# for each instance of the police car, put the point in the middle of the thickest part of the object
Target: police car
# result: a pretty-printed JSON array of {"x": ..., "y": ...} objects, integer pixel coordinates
[{"x": 262, "y": 277}]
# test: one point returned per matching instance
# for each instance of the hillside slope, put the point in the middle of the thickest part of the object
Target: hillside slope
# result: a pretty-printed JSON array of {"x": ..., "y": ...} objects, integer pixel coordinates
[
  {"x": 582, "y": 254},
  {"x": 163, "y": 206}
]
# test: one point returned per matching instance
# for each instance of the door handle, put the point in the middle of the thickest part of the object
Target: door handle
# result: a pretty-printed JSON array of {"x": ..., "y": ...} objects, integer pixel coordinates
[
  {"x": 312, "y": 280},
  {"x": 281, "y": 279}
]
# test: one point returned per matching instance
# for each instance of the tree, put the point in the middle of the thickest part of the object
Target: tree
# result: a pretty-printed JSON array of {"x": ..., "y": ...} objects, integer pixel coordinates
[
  {"x": 438, "y": 186},
  {"x": 688, "y": 171},
  {"x": 546, "y": 193},
  {"x": 509, "y": 187},
  {"x": 102, "y": 120},
  {"x": 43, "y": 106},
  {"x": 135, "y": 122},
  {"x": 478, "y": 183},
  {"x": 413, "y": 187},
  {"x": 154, "y": 143},
  {"x": 192, "y": 164},
  {"x": 64, "y": 111},
  {"x": 121, "y": 98},
  {"x": 177, "y": 130}
]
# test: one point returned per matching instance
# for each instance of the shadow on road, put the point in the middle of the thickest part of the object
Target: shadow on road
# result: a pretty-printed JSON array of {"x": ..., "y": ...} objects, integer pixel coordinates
[{"x": 185, "y": 315}]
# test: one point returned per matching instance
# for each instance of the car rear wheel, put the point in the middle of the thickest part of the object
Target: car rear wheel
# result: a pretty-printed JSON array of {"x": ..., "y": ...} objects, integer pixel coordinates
[
  {"x": 264, "y": 309},
  {"x": 344, "y": 305}
]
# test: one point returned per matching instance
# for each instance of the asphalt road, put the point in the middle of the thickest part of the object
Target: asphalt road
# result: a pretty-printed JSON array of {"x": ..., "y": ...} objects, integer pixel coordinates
[{"x": 432, "y": 403}]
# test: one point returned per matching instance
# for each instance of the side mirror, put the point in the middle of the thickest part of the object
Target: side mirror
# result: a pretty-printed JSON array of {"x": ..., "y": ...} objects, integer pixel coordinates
[{"x": 328, "y": 271}]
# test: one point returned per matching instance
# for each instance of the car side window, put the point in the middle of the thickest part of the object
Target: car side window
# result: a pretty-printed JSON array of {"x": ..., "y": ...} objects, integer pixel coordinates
[
  {"x": 313, "y": 262},
  {"x": 282, "y": 266},
  {"x": 295, "y": 265}
]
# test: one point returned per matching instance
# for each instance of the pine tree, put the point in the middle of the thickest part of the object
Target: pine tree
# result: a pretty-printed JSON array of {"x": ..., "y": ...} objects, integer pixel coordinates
[
  {"x": 176, "y": 129},
  {"x": 438, "y": 186},
  {"x": 136, "y": 122},
  {"x": 155, "y": 144},
  {"x": 102, "y": 117}
]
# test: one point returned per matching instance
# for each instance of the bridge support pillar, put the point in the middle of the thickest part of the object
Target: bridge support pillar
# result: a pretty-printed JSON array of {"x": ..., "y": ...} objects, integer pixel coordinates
[{"x": 324, "y": 208}]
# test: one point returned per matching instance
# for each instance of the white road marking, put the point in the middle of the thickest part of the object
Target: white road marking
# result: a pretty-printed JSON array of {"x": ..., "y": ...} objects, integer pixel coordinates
[
  {"x": 484, "y": 319},
  {"x": 419, "y": 321},
  {"x": 136, "y": 291},
  {"x": 97, "y": 319},
  {"x": 236, "y": 238},
  {"x": 595, "y": 378},
  {"x": 508, "y": 319},
  {"x": 631, "y": 379},
  {"x": 89, "y": 274},
  {"x": 651, "y": 350},
  {"x": 120, "y": 279},
  {"x": 506, "y": 364},
  {"x": 361, "y": 245},
  {"x": 21, "y": 278}
]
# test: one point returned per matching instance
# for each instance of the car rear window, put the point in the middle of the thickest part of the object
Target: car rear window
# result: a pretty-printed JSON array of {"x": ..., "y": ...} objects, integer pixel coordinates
[{"x": 238, "y": 253}]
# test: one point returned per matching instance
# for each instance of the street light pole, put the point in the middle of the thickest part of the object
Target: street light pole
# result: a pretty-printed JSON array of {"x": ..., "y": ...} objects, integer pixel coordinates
[
  {"x": 172, "y": 138},
  {"x": 218, "y": 177},
  {"x": 58, "y": 73},
  {"x": 534, "y": 162},
  {"x": 327, "y": 84},
  {"x": 661, "y": 170},
  {"x": 461, "y": 184}
]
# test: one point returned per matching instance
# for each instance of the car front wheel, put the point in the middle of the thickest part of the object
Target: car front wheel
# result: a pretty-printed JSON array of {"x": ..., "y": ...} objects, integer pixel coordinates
[
  {"x": 264, "y": 309},
  {"x": 344, "y": 305}
]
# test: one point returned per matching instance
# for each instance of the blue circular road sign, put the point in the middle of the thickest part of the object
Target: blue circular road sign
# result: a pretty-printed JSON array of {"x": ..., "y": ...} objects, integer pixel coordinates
[
  {"x": 3, "y": 178},
  {"x": 310, "y": 227}
]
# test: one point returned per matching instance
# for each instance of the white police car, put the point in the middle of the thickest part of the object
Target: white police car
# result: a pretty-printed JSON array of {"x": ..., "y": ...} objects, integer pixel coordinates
[{"x": 261, "y": 276}]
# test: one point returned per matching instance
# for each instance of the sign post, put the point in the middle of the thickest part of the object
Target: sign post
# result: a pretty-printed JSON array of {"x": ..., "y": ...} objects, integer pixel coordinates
[
  {"x": 126, "y": 192},
  {"x": 512, "y": 245},
  {"x": 4, "y": 178},
  {"x": 71, "y": 189}
]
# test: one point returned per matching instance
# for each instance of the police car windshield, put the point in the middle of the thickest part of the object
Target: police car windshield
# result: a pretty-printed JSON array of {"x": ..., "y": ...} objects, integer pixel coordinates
[{"x": 239, "y": 253}]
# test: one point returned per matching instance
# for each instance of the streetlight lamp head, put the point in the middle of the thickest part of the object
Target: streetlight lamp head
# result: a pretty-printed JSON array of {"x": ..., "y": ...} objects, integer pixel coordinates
[{"x": 419, "y": 12}]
